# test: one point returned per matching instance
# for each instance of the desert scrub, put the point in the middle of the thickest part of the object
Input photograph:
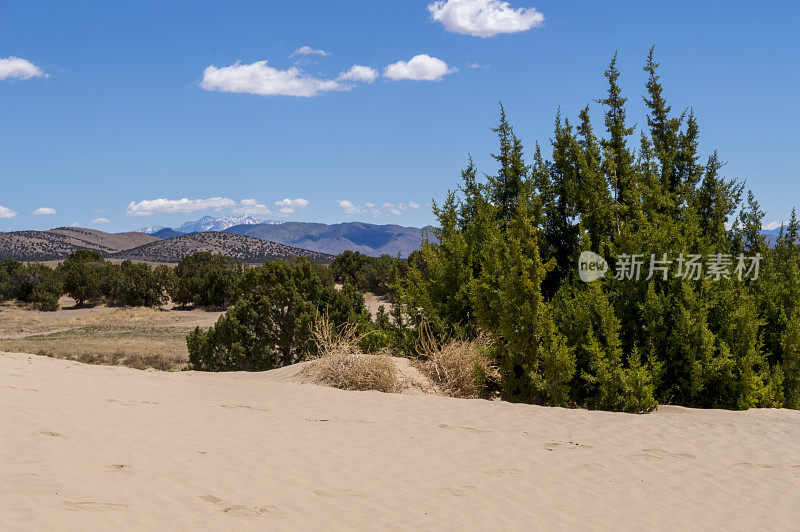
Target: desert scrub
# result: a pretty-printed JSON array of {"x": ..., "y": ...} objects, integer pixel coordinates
[
  {"x": 119, "y": 358},
  {"x": 341, "y": 364},
  {"x": 461, "y": 368}
]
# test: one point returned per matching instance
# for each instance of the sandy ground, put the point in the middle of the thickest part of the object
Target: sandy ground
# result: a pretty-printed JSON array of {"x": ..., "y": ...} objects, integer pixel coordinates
[{"x": 98, "y": 448}]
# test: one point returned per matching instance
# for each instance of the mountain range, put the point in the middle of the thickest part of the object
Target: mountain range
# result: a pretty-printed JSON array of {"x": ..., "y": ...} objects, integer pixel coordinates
[
  {"x": 243, "y": 248},
  {"x": 245, "y": 238},
  {"x": 57, "y": 244},
  {"x": 207, "y": 223},
  {"x": 369, "y": 239},
  {"x": 771, "y": 235}
]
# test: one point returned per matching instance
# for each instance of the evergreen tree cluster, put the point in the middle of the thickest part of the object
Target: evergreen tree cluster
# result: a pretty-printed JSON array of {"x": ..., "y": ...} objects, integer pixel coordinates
[
  {"x": 504, "y": 261},
  {"x": 89, "y": 279},
  {"x": 368, "y": 274},
  {"x": 34, "y": 284},
  {"x": 271, "y": 323}
]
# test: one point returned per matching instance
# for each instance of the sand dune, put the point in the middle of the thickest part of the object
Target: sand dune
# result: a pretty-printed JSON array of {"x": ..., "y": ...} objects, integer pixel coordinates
[{"x": 92, "y": 447}]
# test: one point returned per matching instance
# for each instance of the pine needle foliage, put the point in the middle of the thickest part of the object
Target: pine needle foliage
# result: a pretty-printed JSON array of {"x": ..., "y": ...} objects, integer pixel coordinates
[{"x": 504, "y": 263}]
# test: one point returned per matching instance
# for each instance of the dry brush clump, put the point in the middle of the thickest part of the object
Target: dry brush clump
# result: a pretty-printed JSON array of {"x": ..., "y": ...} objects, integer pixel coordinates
[
  {"x": 461, "y": 368},
  {"x": 341, "y": 364},
  {"x": 119, "y": 358}
]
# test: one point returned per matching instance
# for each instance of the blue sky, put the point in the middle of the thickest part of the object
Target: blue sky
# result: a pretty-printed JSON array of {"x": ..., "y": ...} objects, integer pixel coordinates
[{"x": 111, "y": 103}]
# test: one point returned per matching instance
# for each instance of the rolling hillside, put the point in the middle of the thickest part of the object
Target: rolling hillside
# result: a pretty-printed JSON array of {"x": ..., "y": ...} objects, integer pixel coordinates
[
  {"x": 369, "y": 239},
  {"x": 240, "y": 247},
  {"x": 167, "y": 233},
  {"x": 58, "y": 243}
]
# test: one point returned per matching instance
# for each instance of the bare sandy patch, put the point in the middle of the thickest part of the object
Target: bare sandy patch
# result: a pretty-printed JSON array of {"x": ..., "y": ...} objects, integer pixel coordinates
[{"x": 94, "y": 447}]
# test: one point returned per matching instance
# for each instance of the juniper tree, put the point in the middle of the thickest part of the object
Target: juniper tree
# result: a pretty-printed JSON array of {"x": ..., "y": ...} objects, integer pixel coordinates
[
  {"x": 505, "y": 187},
  {"x": 535, "y": 362},
  {"x": 561, "y": 206},
  {"x": 711, "y": 341},
  {"x": 664, "y": 129},
  {"x": 82, "y": 275},
  {"x": 618, "y": 159},
  {"x": 592, "y": 195}
]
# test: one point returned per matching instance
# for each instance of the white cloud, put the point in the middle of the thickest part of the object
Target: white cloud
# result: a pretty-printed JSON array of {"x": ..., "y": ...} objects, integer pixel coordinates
[
  {"x": 166, "y": 206},
  {"x": 258, "y": 78},
  {"x": 307, "y": 50},
  {"x": 391, "y": 208},
  {"x": 419, "y": 68},
  {"x": 361, "y": 73},
  {"x": 15, "y": 67},
  {"x": 483, "y": 18},
  {"x": 251, "y": 206},
  {"x": 350, "y": 208},
  {"x": 369, "y": 208},
  {"x": 101, "y": 221},
  {"x": 5, "y": 212},
  {"x": 772, "y": 226},
  {"x": 290, "y": 206},
  {"x": 44, "y": 211}
]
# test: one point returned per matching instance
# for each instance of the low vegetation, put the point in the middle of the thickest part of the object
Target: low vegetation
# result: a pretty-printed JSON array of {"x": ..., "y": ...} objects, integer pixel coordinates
[
  {"x": 339, "y": 361},
  {"x": 368, "y": 274},
  {"x": 206, "y": 280},
  {"x": 135, "y": 337},
  {"x": 119, "y": 358},
  {"x": 461, "y": 368},
  {"x": 34, "y": 284},
  {"x": 271, "y": 324}
]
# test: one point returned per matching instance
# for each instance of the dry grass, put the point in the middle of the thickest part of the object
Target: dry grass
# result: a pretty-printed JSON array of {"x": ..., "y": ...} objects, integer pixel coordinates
[
  {"x": 460, "y": 368},
  {"x": 342, "y": 365},
  {"x": 157, "y": 361},
  {"x": 135, "y": 337}
]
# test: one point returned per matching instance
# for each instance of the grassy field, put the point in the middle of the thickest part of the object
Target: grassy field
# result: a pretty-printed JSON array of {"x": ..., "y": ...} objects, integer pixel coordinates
[{"x": 135, "y": 337}]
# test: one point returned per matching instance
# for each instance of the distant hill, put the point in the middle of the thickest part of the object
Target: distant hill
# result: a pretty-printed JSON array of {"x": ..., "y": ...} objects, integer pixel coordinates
[
  {"x": 771, "y": 235},
  {"x": 59, "y": 243},
  {"x": 240, "y": 247},
  {"x": 369, "y": 239},
  {"x": 166, "y": 232}
]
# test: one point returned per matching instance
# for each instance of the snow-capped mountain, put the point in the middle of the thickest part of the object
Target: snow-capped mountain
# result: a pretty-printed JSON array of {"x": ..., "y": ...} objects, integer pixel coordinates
[
  {"x": 775, "y": 231},
  {"x": 150, "y": 229},
  {"x": 209, "y": 223}
]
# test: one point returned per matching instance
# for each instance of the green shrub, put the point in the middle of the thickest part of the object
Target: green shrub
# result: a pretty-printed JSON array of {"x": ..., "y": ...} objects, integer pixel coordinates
[
  {"x": 82, "y": 274},
  {"x": 136, "y": 285},
  {"x": 206, "y": 280},
  {"x": 368, "y": 274},
  {"x": 38, "y": 285},
  {"x": 271, "y": 325},
  {"x": 7, "y": 268}
]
